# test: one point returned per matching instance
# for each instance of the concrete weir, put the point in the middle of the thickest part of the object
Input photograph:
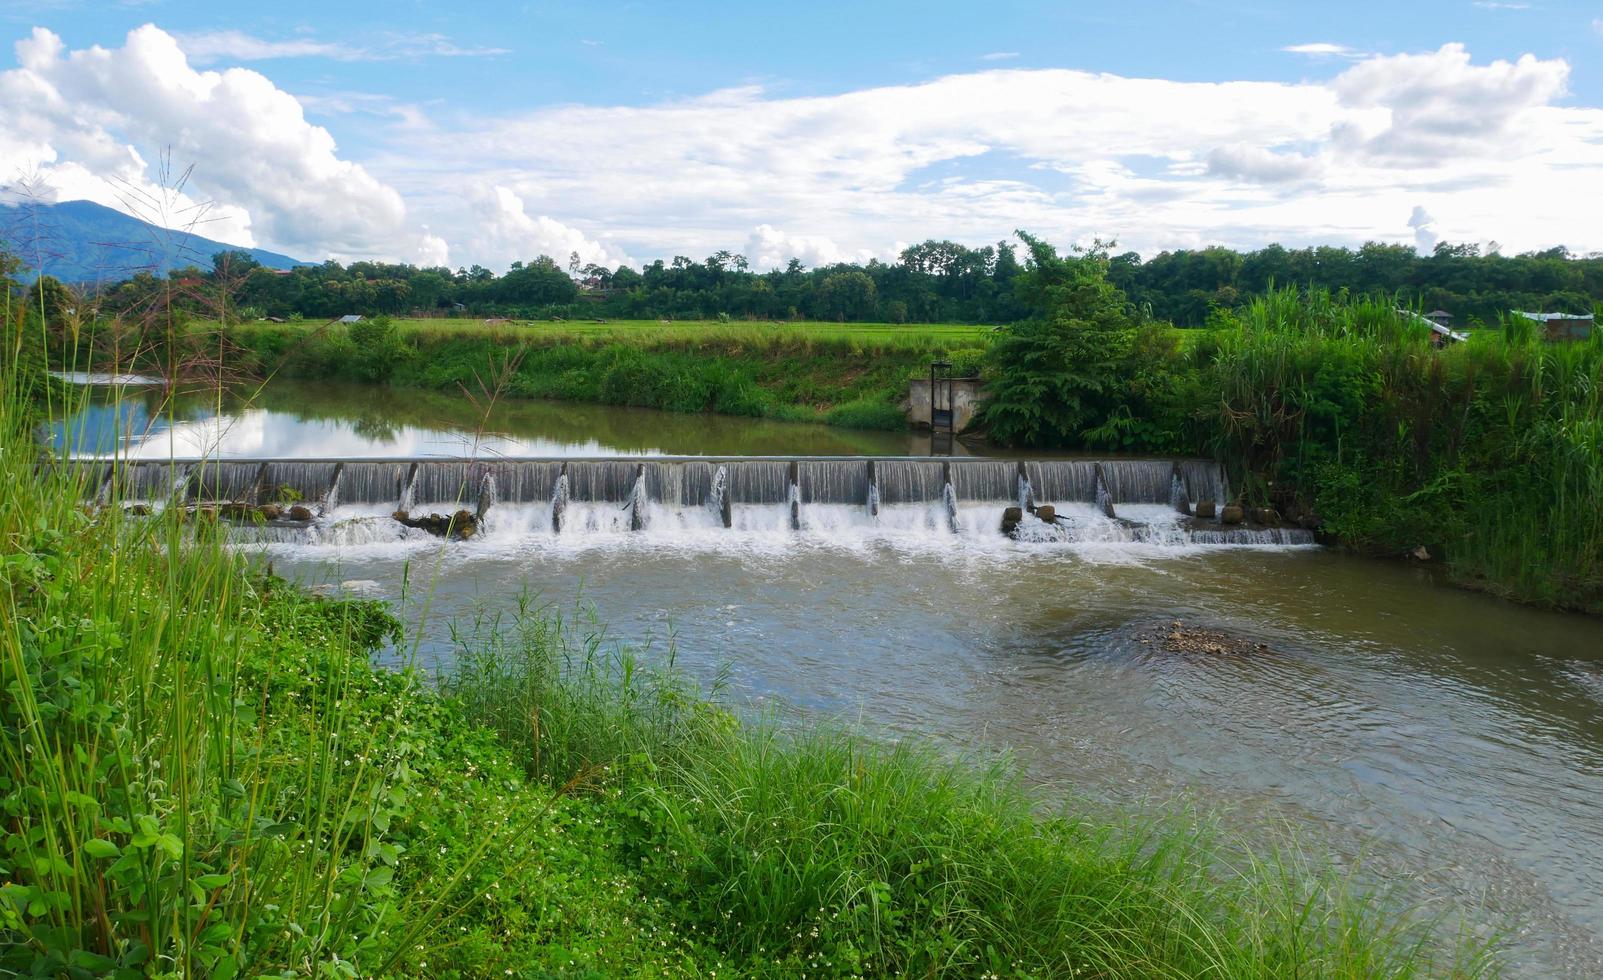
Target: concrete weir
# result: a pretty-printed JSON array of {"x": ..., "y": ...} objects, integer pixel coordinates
[{"x": 576, "y": 494}]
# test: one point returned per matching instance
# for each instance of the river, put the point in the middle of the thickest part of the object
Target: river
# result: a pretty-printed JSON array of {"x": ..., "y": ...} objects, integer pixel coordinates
[{"x": 1446, "y": 743}]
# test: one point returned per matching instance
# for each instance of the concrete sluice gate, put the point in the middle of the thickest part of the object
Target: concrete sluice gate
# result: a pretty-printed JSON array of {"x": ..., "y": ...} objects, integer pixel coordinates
[{"x": 1146, "y": 501}]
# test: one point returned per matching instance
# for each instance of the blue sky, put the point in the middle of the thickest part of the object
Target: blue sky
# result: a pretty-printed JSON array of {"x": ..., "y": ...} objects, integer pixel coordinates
[{"x": 476, "y": 132}]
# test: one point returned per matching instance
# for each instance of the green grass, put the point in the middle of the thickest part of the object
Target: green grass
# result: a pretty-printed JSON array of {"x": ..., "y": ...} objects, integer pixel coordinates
[
  {"x": 204, "y": 775},
  {"x": 651, "y": 333}
]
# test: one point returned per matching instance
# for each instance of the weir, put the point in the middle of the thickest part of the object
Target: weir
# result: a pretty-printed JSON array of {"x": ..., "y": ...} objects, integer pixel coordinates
[{"x": 579, "y": 494}]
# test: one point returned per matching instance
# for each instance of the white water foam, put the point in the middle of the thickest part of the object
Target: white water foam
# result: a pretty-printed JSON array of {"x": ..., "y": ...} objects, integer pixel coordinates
[{"x": 1142, "y": 532}]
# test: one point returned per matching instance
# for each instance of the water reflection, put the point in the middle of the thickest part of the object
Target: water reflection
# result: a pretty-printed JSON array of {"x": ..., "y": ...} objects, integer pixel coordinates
[{"x": 336, "y": 420}]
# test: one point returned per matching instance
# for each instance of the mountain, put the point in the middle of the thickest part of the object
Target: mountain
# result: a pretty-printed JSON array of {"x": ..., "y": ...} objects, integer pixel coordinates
[{"x": 85, "y": 242}]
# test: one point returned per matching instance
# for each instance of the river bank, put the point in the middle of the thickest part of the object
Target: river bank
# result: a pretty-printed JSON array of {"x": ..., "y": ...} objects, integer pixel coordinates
[
  {"x": 788, "y": 372},
  {"x": 266, "y": 801}
]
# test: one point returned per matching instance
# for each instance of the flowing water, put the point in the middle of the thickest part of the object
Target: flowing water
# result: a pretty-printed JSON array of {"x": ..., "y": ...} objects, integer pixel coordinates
[{"x": 1444, "y": 742}]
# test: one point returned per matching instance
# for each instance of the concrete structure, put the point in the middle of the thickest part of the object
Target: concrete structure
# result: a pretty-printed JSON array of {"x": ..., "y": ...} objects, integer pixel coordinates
[
  {"x": 1561, "y": 326},
  {"x": 966, "y": 394}
]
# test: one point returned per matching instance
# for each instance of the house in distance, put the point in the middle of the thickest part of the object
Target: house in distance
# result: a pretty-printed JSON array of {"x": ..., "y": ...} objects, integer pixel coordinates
[{"x": 1561, "y": 326}]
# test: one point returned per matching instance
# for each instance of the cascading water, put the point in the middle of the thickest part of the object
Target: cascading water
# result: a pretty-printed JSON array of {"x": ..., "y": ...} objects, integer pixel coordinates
[
  {"x": 949, "y": 498},
  {"x": 845, "y": 499},
  {"x": 331, "y": 499},
  {"x": 718, "y": 497},
  {"x": 408, "y": 490}
]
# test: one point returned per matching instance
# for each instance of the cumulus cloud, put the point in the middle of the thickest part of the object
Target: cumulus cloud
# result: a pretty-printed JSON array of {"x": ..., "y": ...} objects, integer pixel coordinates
[
  {"x": 507, "y": 233},
  {"x": 770, "y": 248},
  {"x": 88, "y": 122},
  {"x": 1439, "y": 104},
  {"x": 1424, "y": 230}
]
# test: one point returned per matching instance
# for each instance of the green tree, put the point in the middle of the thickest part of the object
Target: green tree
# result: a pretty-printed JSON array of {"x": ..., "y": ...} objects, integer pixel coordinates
[
  {"x": 1061, "y": 372},
  {"x": 846, "y": 295}
]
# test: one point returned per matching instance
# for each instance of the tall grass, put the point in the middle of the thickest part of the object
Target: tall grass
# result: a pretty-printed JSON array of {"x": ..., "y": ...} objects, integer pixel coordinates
[
  {"x": 1488, "y": 453},
  {"x": 819, "y": 851}
]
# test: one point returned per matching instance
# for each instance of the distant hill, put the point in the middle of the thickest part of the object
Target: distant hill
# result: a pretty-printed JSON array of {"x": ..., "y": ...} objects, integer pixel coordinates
[{"x": 84, "y": 242}]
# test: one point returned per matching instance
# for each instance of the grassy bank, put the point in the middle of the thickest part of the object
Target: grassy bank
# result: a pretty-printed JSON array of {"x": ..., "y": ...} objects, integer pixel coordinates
[
  {"x": 202, "y": 775},
  {"x": 852, "y": 375},
  {"x": 1487, "y": 454}
]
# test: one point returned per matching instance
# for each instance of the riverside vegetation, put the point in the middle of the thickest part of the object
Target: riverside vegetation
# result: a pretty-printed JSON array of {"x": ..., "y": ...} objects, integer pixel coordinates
[
  {"x": 203, "y": 774},
  {"x": 1335, "y": 409}
]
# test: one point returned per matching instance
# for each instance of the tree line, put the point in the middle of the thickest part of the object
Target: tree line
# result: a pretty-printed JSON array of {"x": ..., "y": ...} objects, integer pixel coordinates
[{"x": 931, "y": 282}]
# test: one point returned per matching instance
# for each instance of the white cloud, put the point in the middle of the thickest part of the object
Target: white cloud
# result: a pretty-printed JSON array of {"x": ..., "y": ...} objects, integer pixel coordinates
[
  {"x": 999, "y": 56},
  {"x": 1323, "y": 49},
  {"x": 1439, "y": 104},
  {"x": 769, "y": 248},
  {"x": 1488, "y": 148},
  {"x": 1256, "y": 163},
  {"x": 210, "y": 47},
  {"x": 1424, "y": 230},
  {"x": 505, "y": 233},
  {"x": 87, "y": 122},
  {"x": 1495, "y": 5}
]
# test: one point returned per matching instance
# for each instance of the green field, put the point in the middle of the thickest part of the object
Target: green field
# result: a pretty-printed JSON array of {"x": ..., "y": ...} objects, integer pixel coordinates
[{"x": 676, "y": 332}]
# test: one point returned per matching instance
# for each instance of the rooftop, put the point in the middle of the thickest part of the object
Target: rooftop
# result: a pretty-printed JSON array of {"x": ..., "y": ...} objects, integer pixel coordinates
[{"x": 1545, "y": 317}]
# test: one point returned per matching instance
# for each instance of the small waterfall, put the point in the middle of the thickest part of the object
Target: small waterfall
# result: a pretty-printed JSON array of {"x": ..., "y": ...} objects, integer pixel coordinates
[
  {"x": 1178, "y": 498},
  {"x": 409, "y": 491},
  {"x": 1104, "y": 497},
  {"x": 909, "y": 481},
  {"x": 639, "y": 502},
  {"x": 331, "y": 499},
  {"x": 795, "y": 507},
  {"x": 832, "y": 481},
  {"x": 1026, "y": 492},
  {"x": 718, "y": 497},
  {"x": 949, "y": 497},
  {"x": 559, "y": 501},
  {"x": 982, "y": 479}
]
